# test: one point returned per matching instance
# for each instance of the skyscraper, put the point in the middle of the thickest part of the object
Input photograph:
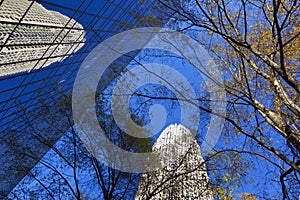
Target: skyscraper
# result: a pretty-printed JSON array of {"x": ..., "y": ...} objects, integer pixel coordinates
[
  {"x": 46, "y": 43},
  {"x": 183, "y": 175},
  {"x": 36, "y": 39}
]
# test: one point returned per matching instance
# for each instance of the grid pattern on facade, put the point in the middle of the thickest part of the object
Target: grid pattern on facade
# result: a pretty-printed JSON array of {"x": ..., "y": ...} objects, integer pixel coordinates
[
  {"x": 183, "y": 175},
  {"x": 61, "y": 33},
  {"x": 22, "y": 46},
  {"x": 100, "y": 19}
]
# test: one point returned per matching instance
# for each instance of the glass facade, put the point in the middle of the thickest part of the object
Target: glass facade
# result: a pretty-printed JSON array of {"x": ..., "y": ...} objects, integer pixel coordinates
[{"x": 42, "y": 44}]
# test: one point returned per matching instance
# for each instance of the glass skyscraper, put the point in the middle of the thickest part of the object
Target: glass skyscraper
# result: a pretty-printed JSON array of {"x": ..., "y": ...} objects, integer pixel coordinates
[{"x": 42, "y": 44}]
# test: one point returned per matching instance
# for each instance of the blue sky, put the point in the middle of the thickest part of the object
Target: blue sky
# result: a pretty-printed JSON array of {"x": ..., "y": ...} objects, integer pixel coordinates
[{"x": 66, "y": 79}]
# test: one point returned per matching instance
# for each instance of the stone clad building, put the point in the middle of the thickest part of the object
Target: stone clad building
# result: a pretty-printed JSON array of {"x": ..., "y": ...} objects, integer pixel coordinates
[
  {"x": 184, "y": 174},
  {"x": 42, "y": 37}
]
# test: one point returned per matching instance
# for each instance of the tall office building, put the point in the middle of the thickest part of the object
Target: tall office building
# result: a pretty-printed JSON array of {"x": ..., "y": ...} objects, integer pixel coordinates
[
  {"x": 183, "y": 175},
  {"x": 33, "y": 36},
  {"x": 36, "y": 39}
]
